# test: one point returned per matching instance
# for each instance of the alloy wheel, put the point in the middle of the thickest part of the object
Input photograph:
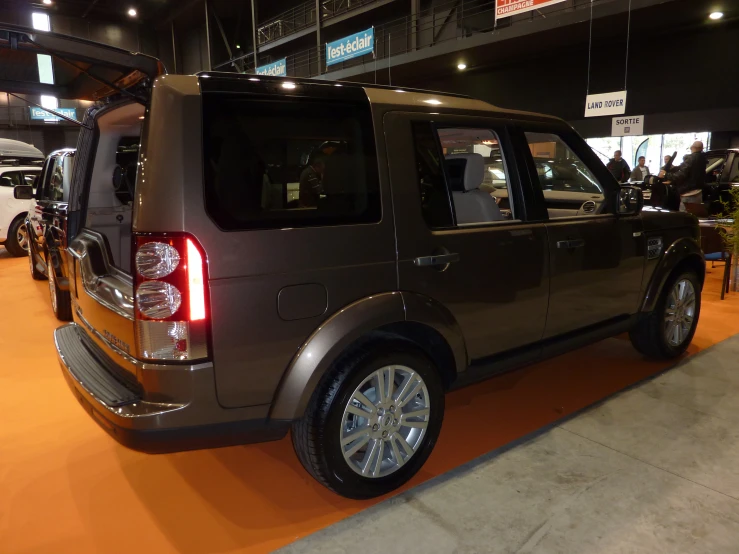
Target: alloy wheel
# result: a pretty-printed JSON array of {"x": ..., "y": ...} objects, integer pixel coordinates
[
  {"x": 52, "y": 288},
  {"x": 385, "y": 421},
  {"x": 22, "y": 237},
  {"x": 680, "y": 312}
]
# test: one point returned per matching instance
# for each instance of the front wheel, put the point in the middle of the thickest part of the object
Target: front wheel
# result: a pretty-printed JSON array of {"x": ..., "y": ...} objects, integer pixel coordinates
[
  {"x": 667, "y": 331},
  {"x": 373, "y": 422}
]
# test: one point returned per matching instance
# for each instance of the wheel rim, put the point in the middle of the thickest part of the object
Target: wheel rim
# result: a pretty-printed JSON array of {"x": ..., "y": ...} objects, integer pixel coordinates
[
  {"x": 52, "y": 288},
  {"x": 680, "y": 312},
  {"x": 22, "y": 237},
  {"x": 385, "y": 421}
]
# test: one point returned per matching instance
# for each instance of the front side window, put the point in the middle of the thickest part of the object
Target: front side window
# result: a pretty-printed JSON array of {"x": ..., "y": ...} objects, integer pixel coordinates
[
  {"x": 733, "y": 175},
  {"x": 10, "y": 179},
  {"x": 29, "y": 178},
  {"x": 275, "y": 164},
  {"x": 569, "y": 187},
  {"x": 465, "y": 165}
]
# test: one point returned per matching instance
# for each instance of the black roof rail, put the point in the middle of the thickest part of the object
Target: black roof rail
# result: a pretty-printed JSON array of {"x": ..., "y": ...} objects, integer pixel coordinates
[{"x": 308, "y": 81}]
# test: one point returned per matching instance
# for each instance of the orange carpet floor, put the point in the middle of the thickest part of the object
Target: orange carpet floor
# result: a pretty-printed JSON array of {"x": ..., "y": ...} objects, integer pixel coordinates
[{"x": 66, "y": 486}]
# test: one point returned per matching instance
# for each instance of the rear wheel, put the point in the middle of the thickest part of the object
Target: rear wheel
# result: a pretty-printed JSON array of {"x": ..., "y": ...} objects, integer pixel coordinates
[
  {"x": 667, "y": 331},
  {"x": 373, "y": 422},
  {"x": 61, "y": 303},
  {"x": 17, "y": 241},
  {"x": 35, "y": 273}
]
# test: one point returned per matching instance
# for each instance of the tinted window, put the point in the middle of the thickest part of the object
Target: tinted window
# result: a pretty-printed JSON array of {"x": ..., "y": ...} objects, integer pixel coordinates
[
  {"x": 435, "y": 200},
  {"x": 297, "y": 163},
  {"x": 10, "y": 179}
]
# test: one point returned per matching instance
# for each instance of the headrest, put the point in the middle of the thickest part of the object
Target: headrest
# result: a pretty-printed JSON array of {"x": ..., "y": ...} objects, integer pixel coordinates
[{"x": 467, "y": 171}]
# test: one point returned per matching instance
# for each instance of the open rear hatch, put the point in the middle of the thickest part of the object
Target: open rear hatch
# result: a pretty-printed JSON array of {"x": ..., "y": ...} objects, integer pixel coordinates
[{"x": 83, "y": 70}]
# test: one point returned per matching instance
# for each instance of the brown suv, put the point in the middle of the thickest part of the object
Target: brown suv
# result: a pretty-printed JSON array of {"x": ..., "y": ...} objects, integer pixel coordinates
[{"x": 331, "y": 258}]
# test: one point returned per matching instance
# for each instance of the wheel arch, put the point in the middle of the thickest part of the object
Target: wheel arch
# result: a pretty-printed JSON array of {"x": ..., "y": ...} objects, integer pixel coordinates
[
  {"x": 381, "y": 317},
  {"x": 684, "y": 253}
]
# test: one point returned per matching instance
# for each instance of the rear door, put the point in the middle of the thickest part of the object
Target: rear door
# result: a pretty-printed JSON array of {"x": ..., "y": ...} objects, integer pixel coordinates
[{"x": 463, "y": 241}]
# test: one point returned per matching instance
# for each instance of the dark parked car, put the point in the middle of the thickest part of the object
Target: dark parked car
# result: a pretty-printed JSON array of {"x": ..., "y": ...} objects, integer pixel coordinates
[
  {"x": 46, "y": 223},
  {"x": 303, "y": 255}
]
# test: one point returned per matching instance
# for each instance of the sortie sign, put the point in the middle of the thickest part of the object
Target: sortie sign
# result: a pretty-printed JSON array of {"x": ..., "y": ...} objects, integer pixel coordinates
[
  {"x": 609, "y": 103},
  {"x": 627, "y": 126},
  {"x": 507, "y": 8}
]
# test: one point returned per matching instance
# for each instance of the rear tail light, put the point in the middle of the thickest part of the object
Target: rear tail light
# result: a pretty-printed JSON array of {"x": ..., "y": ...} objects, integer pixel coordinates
[{"x": 170, "y": 300}]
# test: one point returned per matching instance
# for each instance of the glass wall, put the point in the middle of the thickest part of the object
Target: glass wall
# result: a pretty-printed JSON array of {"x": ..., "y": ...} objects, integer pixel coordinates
[{"x": 653, "y": 147}]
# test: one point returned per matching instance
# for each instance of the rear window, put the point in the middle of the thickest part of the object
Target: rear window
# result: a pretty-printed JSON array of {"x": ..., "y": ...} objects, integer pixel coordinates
[{"x": 275, "y": 164}]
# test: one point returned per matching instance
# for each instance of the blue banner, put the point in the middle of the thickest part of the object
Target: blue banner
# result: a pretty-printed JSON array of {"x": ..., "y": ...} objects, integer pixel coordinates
[
  {"x": 276, "y": 69},
  {"x": 38, "y": 113},
  {"x": 350, "y": 47}
]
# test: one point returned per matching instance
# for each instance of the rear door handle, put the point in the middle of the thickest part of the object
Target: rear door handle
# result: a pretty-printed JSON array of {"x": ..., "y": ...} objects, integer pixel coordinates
[
  {"x": 569, "y": 244},
  {"x": 441, "y": 259}
]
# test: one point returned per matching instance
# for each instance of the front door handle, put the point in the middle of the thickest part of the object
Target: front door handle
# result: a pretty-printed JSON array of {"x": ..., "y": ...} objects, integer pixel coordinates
[
  {"x": 569, "y": 244},
  {"x": 440, "y": 259}
]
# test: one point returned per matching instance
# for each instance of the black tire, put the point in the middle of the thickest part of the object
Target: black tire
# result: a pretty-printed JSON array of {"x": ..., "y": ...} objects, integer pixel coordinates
[
  {"x": 648, "y": 335},
  {"x": 316, "y": 436},
  {"x": 61, "y": 302},
  {"x": 12, "y": 245},
  {"x": 35, "y": 273}
]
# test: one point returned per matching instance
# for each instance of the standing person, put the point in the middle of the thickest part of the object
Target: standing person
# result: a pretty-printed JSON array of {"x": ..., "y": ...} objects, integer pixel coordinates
[
  {"x": 641, "y": 171},
  {"x": 311, "y": 182},
  {"x": 667, "y": 159},
  {"x": 619, "y": 168},
  {"x": 690, "y": 176}
]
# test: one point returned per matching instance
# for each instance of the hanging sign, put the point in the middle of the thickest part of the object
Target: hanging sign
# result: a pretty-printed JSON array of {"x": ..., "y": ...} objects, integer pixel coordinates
[
  {"x": 276, "y": 69},
  {"x": 609, "y": 103},
  {"x": 350, "y": 47},
  {"x": 507, "y": 8},
  {"x": 627, "y": 126},
  {"x": 38, "y": 113}
]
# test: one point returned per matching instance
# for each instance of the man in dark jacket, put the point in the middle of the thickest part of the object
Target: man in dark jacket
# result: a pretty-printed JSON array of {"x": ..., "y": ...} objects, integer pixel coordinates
[
  {"x": 691, "y": 175},
  {"x": 619, "y": 168}
]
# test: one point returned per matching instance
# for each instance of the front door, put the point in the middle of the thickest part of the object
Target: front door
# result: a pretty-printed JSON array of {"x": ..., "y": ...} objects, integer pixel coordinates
[
  {"x": 596, "y": 257},
  {"x": 461, "y": 242}
]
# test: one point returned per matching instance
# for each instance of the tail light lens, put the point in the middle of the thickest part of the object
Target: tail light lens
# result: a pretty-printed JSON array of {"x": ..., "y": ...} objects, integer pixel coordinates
[{"x": 170, "y": 300}]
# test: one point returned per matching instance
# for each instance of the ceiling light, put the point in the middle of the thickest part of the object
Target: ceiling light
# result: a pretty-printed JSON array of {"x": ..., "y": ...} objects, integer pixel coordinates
[
  {"x": 238, "y": 46},
  {"x": 716, "y": 15},
  {"x": 461, "y": 66},
  {"x": 288, "y": 85},
  {"x": 47, "y": 2},
  {"x": 132, "y": 12},
  {"x": 433, "y": 101}
]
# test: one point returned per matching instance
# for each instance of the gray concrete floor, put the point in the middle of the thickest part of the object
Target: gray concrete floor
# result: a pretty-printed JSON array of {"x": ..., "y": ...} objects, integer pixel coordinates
[{"x": 653, "y": 469}]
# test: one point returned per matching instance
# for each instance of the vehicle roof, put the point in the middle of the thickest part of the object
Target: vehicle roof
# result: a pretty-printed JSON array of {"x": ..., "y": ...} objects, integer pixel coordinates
[
  {"x": 18, "y": 149},
  {"x": 397, "y": 96},
  {"x": 4, "y": 168}
]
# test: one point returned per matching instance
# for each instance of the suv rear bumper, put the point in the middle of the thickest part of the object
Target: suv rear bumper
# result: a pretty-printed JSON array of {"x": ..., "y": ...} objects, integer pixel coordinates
[{"x": 118, "y": 404}]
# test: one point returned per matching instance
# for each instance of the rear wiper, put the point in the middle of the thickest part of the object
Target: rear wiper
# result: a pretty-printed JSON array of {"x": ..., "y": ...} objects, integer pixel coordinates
[{"x": 53, "y": 112}]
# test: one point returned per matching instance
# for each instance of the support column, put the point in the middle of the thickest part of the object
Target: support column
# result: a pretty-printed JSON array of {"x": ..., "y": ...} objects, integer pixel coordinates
[
  {"x": 318, "y": 35},
  {"x": 207, "y": 38},
  {"x": 415, "y": 10},
  {"x": 255, "y": 47}
]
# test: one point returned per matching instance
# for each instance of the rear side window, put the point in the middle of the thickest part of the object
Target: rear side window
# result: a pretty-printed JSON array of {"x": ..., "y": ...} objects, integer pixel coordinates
[{"x": 275, "y": 164}]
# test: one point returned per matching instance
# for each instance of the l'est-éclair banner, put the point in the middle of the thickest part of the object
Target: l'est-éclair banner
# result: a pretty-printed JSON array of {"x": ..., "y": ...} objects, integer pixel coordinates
[
  {"x": 507, "y": 8},
  {"x": 350, "y": 47}
]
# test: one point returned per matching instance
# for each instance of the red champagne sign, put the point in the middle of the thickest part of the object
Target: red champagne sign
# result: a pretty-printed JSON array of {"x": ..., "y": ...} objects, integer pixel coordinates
[{"x": 506, "y": 8}]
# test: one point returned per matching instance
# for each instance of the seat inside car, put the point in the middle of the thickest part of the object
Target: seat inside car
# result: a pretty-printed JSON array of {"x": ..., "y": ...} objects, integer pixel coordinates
[{"x": 471, "y": 205}]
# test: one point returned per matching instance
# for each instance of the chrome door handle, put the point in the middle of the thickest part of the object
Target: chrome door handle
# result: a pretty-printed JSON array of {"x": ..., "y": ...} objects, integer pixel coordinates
[
  {"x": 441, "y": 259},
  {"x": 569, "y": 244}
]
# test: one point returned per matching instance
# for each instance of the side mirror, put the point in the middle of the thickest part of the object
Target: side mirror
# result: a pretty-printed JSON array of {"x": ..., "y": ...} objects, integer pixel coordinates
[
  {"x": 23, "y": 192},
  {"x": 629, "y": 200}
]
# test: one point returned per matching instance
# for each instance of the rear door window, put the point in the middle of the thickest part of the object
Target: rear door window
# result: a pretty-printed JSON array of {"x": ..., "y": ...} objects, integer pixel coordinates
[
  {"x": 11, "y": 179},
  {"x": 297, "y": 163}
]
